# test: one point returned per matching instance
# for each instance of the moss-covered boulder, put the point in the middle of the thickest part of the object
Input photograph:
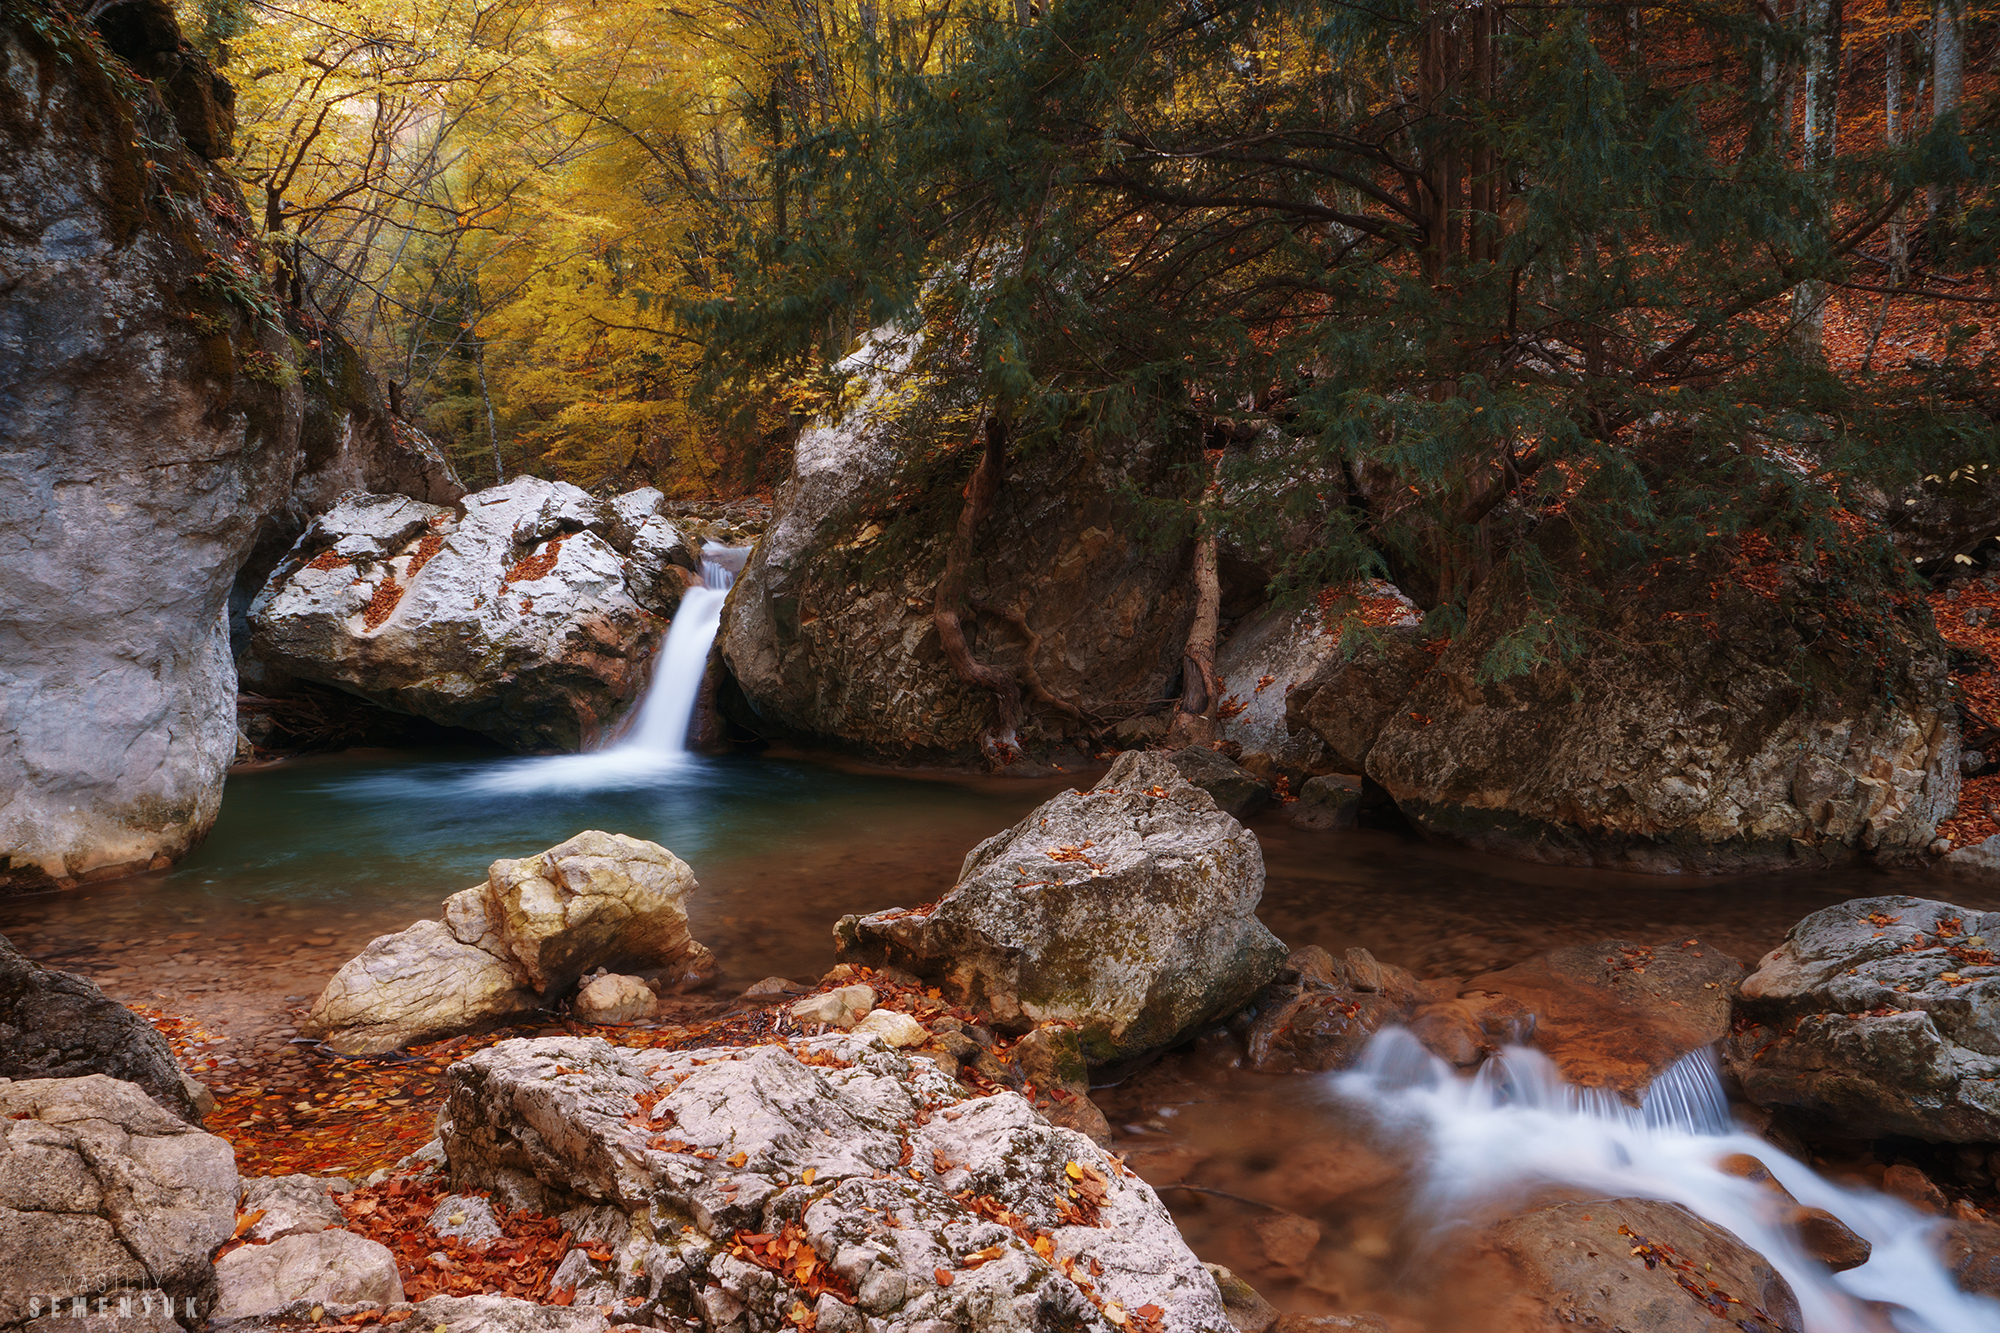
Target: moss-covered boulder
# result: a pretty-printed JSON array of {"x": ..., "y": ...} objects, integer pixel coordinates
[{"x": 1128, "y": 910}]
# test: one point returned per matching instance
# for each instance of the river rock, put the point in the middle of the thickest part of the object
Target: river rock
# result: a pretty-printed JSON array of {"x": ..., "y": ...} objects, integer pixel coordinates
[
  {"x": 1128, "y": 910},
  {"x": 1614, "y": 1014},
  {"x": 1348, "y": 698},
  {"x": 294, "y": 1205},
  {"x": 923, "y": 1208},
  {"x": 516, "y": 614},
  {"x": 1327, "y": 803},
  {"x": 1680, "y": 737},
  {"x": 155, "y": 420},
  {"x": 1264, "y": 658},
  {"x": 329, "y": 1266},
  {"x": 504, "y": 947},
  {"x": 1319, "y": 1012},
  {"x": 1637, "y": 1265},
  {"x": 829, "y": 633},
  {"x": 842, "y": 1007},
  {"x": 54, "y": 1025},
  {"x": 613, "y": 998},
  {"x": 104, "y": 1193},
  {"x": 1236, "y": 791},
  {"x": 1875, "y": 1017}
]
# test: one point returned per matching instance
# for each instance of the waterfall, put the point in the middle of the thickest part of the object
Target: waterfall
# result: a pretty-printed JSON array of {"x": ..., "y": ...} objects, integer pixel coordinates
[
  {"x": 656, "y": 743},
  {"x": 667, "y": 712},
  {"x": 1515, "y": 1125}
]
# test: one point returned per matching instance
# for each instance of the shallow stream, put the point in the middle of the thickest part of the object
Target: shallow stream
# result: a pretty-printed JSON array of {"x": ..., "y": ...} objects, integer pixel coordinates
[{"x": 314, "y": 857}]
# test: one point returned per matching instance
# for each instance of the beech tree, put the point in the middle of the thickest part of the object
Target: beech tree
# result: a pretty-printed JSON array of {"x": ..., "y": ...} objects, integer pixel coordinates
[{"x": 1468, "y": 264}]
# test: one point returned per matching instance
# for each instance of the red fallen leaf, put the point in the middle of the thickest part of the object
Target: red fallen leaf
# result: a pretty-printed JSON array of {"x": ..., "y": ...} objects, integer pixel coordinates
[
  {"x": 563, "y": 1297},
  {"x": 246, "y": 1221},
  {"x": 942, "y": 1275},
  {"x": 1149, "y": 1312}
]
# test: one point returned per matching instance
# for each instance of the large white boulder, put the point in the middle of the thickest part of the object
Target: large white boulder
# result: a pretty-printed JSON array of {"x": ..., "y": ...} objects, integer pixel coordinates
[
  {"x": 833, "y": 1176},
  {"x": 530, "y": 612}
]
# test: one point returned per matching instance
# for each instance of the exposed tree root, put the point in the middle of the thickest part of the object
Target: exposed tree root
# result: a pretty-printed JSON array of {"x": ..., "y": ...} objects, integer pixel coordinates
[
  {"x": 1030, "y": 677},
  {"x": 1003, "y": 741}
]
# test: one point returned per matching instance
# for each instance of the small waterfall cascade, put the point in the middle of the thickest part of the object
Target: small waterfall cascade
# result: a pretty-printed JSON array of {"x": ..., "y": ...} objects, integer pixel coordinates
[
  {"x": 656, "y": 743},
  {"x": 661, "y": 728},
  {"x": 1515, "y": 1125}
]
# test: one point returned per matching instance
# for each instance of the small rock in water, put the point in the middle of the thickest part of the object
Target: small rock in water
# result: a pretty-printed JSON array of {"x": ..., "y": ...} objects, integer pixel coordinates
[
  {"x": 893, "y": 1028},
  {"x": 1248, "y": 1311},
  {"x": 1328, "y": 802},
  {"x": 612, "y": 998},
  {"x": 1913, "y": 1187},
  {"x": 841, "y": 1008},
  {"x": 1287, "y": 1238},
  {"x": 771, "y": 988}
]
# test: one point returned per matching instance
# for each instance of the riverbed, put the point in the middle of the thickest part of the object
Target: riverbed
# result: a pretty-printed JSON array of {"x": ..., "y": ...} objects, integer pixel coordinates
[{"x": 315, "y": 856}]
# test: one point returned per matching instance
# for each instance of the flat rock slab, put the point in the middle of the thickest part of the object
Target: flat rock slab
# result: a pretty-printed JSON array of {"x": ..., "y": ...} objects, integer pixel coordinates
[
  {"x": 833, "y": 1175},
  {"x": 1128, "y": 910},
  {"x": 1877, "y": 1016}
]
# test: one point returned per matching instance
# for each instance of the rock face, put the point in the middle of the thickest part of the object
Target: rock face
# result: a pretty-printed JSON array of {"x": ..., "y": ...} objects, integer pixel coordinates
[
  {"x": 54, "y": 1025},
  {"x": 530, "y": 613},
  {"x": 1128, "y": 910},
  {"x": 1706, "y": 727},
  {"x": 829, "y": 634},
  {"x": 1257, "y": 667},
  {"x": 153, "y": 412},
  {"x": 1877, "y": 1017},
  {"x": 1347, "y": 700},
  {"x": 506, "y": 946},
  {"x": 902, "y": 1204},
  {"x": 104, "y": 1193},
  {"x": 1637, "y": 1265}
]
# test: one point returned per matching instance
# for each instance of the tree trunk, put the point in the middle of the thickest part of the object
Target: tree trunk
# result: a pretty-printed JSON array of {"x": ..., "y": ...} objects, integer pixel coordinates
[
  {"x": 1947, "y": 90},
  {"x": 1003, "y": 742},
  {"x": 1892, "y": 97},
  {"x": 1816, "y": 145},
  {"x": 492, "y": 426},
  {"x": 1199, "y": 690}
]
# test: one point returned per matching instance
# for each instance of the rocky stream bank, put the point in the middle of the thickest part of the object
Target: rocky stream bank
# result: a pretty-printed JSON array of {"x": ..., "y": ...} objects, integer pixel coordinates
[{"x": 912, "y": 1139}]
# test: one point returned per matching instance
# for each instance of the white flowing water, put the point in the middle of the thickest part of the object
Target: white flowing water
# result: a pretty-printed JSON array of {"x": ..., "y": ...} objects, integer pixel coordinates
[
  {"x": 1516, "y": 1125},
  {"x": 656, "y": 743}
]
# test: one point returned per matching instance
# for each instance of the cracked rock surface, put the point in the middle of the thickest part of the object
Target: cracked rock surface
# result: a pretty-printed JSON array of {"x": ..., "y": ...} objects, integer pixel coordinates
[
  {"x": 529, "y": 612},
  {"x": 1878, "y": 1016},
  {"x": 103, "y": 1192},
  {"x": 1128, "y": 910},
  {"x": 742, "y": 1187}
]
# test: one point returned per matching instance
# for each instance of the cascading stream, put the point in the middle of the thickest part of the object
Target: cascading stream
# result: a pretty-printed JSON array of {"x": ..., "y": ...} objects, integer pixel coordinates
[
  {"x": 657, "y": 742},
  {"x": 1516, "y": 1125}
]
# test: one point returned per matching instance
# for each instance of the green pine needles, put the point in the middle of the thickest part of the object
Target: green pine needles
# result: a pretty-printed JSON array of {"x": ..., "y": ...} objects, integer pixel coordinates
[{"x": 1420, "y": 276}]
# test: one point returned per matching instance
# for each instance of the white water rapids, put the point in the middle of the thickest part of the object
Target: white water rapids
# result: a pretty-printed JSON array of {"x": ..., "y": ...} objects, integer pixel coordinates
[
  {"x": 1516, "y": 1125},
  {"x": 656, "y": 743}
]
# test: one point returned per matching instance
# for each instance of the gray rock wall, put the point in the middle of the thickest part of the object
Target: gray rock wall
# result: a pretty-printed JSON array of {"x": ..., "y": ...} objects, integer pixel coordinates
[{"x": 151, "y": 417}]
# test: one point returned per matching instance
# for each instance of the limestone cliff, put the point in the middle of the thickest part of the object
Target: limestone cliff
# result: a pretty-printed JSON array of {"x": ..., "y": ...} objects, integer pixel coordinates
[{"x": 156, "y": 411}]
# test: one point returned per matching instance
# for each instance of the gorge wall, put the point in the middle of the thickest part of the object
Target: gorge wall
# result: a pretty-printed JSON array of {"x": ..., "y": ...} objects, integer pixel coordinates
[{"x": 157, "y": 416}]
